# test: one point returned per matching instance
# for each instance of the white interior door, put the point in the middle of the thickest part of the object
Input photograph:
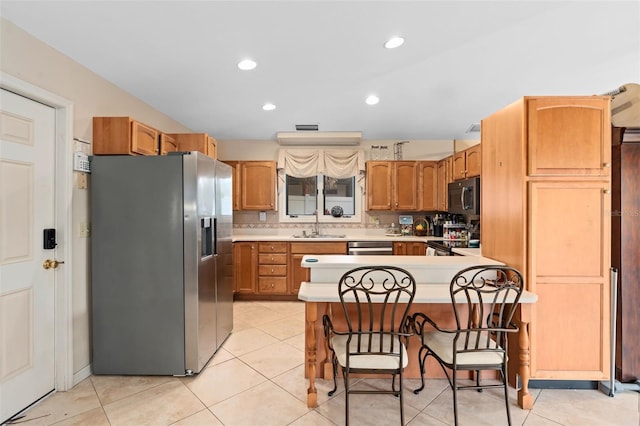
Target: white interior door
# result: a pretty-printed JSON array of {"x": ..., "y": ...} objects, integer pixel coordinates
[{"x": 27, "y": 158}]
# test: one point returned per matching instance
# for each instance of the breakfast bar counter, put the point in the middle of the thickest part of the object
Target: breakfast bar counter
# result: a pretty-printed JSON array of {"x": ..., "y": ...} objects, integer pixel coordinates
[{"x": 432, "y": 274}]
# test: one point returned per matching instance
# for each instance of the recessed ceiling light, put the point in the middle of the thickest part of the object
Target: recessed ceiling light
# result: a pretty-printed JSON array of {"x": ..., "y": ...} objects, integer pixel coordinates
[
  {"x": 268, "y": 106},
  {"x": 372, "y": 100},
  {"x": 247, "y": 64},
  {"x": 394, "y": 42}
]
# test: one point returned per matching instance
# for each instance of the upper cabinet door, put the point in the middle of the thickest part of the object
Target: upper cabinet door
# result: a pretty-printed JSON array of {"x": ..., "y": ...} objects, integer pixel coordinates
[
  {"x": 428, "y": 185},
  {"x": 379, "y": 185},
  {"x": 405, "y": 180},
  {"x": 258, "y": 185},
  {"x": 473, "y": 160},
  {"x": 167, "y": 144},
  {"x": 459, "y": 165},
  {"x": 144, "y": 139},
  {"x": 569, "y": 136}
]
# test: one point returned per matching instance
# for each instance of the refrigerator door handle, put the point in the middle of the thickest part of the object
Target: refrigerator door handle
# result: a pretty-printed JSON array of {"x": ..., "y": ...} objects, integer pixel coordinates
[{"x": 215, "y": 236}]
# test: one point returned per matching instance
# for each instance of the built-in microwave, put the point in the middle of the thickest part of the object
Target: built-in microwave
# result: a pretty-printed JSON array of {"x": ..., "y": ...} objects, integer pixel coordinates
[{"x": 464, "y": 196}]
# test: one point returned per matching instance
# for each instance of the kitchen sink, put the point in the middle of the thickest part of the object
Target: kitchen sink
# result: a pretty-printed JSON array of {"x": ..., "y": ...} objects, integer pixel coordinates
[{"x": 320, "y": 236}]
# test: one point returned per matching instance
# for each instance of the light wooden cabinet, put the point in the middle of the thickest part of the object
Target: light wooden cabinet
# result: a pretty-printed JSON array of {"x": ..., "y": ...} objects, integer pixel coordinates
[
  {"x": 236, "y": 181},
  {"x": 409, "y": 248},
  {"x": 272, "y": 267},
  {"x": 580, "y": 127},
  {"x": 467, "y": 163},
  {"x": 245, "y": 261},
  {"x": 299, "y": 274},
  {"x": 254, "y": 184},
  {"x": 392, "y": 185},
  {"x": 200, "y": 142},
  {"x": 545, "y": 210},
  {"x": 167, "y": 144},
  {"x": 123, "y": 135},
  {"x": 443, "y": 179},
  {"x": 428, "y": 185},
  {"x": 258, "y": 185}
]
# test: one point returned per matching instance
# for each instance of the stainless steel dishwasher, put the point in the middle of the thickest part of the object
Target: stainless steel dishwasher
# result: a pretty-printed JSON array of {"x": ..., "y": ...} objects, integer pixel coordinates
[{"x": 370, "y": 247}]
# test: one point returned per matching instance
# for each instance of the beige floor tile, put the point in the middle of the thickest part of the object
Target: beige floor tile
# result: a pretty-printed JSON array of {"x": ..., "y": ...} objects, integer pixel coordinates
[
  {"x": 219, "y": 382},
  {"x": 535, "y": 420},
  {"x": 265, "y": 404},
  {"x": 201, "y": 418},
  {"x": 581, "y": 407},
  {"x": 367, "y": 409},
  {"x": 293, "y": 381},
  {"x": 63, "y": 405},
  {"x": 475, "y": 408},
  {"x": 424, "y": 419},
  {"x": 220, "y": 356},
  {"x": 161, "y": 405},
  {"x": 113, "y": 388},
  {"x": 287, "y": 308},
  {"x": 95, "y": 417},
  {"x": 254, "y": 312},
  {"x": 296, "y": 341},
  {"x": 246, "y": 341},
  {"x": 284, "y": 328},
  {"x": 274, "y": 359},
  {"x": 312, "y": 418}
]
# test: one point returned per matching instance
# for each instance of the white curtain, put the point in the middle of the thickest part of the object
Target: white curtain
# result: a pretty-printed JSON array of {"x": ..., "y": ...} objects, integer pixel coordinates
[
  {"x": 300, "y": 163},
  {"x": 343, "y": 163},
  {"x": 336, "y": 163}
]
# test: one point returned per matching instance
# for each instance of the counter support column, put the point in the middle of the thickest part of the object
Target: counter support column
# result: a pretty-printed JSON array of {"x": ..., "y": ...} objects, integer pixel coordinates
[
  {"x": 525, "y": 399},
  {"x": 311, "y": 312}
]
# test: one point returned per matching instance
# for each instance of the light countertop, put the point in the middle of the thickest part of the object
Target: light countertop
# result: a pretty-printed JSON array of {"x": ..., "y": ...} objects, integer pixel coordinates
[
  {"x": 467, "y": 251},
  {"x": 348, "y": 236},
  {"x": 425, "y": 269},
  {"x": 425, "y": 293}
]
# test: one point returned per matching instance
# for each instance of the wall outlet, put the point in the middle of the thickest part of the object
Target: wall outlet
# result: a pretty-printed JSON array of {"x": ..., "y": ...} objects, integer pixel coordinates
[
  {"x": 85, "y": 230},
  {"x": 82, "y": 181},
  {"x": 263, "y": 216}
]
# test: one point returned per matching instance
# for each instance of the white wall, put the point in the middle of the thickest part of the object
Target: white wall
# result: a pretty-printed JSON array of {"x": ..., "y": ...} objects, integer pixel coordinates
[
  {"x": 32, "y": 61},
  {"x": 268, "y": 149},
  {"x": 28, "y": 59}
]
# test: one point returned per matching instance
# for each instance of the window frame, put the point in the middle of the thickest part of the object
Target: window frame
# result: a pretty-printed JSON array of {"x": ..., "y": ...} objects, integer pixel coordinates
[{"x": 358, "y": 199}]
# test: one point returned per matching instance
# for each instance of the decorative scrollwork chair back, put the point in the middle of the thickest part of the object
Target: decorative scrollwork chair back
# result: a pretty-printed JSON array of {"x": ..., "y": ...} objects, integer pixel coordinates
[
  {"x": 484, "y": 300},
  {"x": 375, "y": 302}
]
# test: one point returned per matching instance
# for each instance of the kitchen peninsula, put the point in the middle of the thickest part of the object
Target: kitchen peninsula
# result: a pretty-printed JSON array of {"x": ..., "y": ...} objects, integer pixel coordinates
[{"x": 433, "y": 275}]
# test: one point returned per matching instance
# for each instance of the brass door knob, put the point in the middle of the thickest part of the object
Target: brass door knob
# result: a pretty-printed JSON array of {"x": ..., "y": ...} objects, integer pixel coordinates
[{"x": 48, "y": 264}]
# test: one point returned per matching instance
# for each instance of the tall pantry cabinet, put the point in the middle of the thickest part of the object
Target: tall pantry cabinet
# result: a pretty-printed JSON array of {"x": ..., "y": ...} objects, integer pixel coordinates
[
  {"x": 625, "y": 254},
  {"x": 545, "y": 210}
]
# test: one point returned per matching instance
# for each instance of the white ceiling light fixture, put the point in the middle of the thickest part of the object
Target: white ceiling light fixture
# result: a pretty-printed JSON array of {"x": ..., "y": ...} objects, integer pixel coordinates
[
  {"x": 394, "y": 42},
  {"x": 372, "y": 100},
  {"x": 247, "y": 64},
  {"x": 268, "y": 106}
]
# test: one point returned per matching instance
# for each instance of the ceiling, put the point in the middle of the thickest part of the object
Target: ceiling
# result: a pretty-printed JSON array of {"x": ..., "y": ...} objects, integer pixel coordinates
[{"x": 319, "y": 60}]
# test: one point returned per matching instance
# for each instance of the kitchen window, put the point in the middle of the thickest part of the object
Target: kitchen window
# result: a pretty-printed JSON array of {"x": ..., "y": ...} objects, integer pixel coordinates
[{"x": 305, "y": 186}]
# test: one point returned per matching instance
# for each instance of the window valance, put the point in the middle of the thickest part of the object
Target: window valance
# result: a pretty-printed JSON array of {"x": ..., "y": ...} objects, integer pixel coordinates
[{"x": 337, "y": 163}]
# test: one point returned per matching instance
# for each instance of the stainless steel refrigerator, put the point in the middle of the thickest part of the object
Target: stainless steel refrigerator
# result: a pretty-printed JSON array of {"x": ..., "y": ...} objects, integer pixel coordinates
[{"x": 161, "y": 262}]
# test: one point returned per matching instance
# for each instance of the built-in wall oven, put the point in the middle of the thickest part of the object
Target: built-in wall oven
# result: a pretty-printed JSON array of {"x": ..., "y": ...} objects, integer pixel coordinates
[{"x": 370, "y": 247}]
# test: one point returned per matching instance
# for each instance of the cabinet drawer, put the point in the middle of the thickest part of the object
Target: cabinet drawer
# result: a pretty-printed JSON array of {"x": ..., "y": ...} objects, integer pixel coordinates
[
  {"x": 272, "y": 247},
  {"x": 319, "y": 248},
  {"x": 272, "y": 285},
  {"x": 272, "y": 259},
  {"x": 278, "y": 270}
]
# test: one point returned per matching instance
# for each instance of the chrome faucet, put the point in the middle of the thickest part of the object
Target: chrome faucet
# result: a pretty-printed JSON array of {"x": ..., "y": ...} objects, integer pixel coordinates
[{"x": 315, "y": 230}]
